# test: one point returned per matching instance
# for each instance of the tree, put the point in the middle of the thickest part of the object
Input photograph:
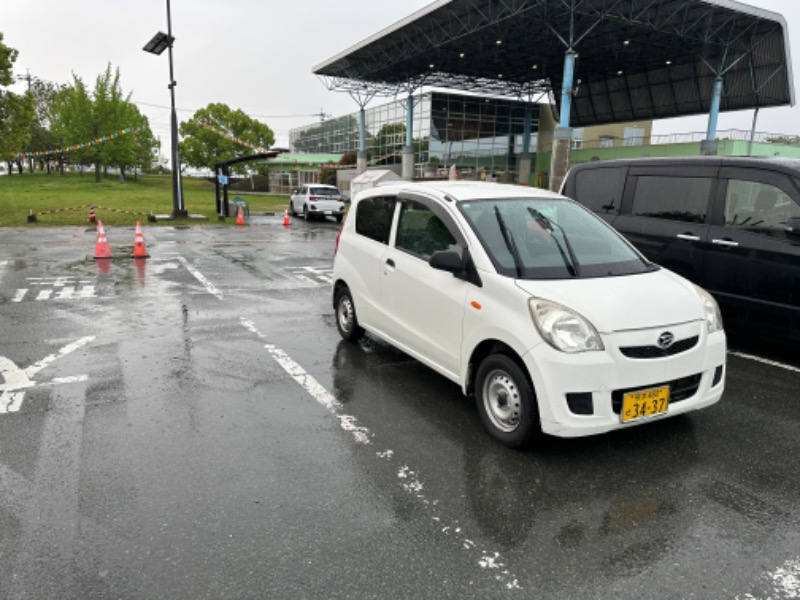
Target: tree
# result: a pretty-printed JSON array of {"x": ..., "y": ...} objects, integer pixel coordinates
[
  {"x": 104, "y": 121},
  {"x": 16, "y": 111},
  {"x": 202, "y": 148}
]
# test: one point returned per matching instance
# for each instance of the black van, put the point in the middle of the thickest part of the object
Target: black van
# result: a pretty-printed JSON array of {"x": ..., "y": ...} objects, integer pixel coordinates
[{"x": 730, "y": 224}]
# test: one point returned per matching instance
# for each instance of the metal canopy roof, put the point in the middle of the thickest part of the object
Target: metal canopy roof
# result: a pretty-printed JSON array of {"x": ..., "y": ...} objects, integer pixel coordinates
[{"x": 637, "y": 59}]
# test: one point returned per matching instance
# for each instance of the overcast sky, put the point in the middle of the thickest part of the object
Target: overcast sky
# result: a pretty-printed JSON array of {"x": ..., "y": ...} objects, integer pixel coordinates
[{"x": 254, "y": 55}]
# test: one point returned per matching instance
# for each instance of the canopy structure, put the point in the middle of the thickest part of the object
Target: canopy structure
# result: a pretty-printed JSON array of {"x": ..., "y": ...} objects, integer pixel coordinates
[{"x": 613, "y": 60}]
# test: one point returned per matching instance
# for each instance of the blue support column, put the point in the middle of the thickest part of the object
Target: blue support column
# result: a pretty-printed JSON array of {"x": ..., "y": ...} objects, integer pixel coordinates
[
  {"x": 526, "y": 133},
  {"x": 566, "y": 88},
  {"x": 362, "y": 130},
  {"x": 409, "y": 120},
  {"x": 714, "y": 114},
  {"x": 408, "y": 151}
]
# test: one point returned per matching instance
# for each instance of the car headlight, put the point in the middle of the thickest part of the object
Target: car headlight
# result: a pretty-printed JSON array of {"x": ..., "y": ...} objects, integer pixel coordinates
[
  {"x": 563, "y": 328},
  {"x": 711, "y": 308}
]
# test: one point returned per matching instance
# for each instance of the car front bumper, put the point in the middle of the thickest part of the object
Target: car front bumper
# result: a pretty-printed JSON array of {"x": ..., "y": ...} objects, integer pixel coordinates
[{"x": 696, "y": 378}]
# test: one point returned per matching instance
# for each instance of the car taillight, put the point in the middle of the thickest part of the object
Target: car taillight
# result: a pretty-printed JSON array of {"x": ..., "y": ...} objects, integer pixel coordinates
[{"x": 313, "y": 198}]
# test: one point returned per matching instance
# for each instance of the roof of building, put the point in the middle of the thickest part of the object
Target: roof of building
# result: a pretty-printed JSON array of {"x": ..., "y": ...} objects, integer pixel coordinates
[{"x": 637, "y": 59}]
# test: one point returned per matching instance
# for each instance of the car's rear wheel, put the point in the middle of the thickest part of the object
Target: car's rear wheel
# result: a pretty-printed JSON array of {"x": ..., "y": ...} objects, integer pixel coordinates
[
  {"x": 305, "y": 212},
  {"x": 346, "y": 320},
  {"x": 506, "y": 402}
]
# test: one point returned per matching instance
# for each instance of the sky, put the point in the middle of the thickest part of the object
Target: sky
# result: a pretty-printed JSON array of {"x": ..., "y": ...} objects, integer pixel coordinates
[{"x": 253, "y": 55}]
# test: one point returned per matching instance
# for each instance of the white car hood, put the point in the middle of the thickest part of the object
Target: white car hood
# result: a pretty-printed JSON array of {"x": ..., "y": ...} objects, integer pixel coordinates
[{"x": 642, "y": 301}]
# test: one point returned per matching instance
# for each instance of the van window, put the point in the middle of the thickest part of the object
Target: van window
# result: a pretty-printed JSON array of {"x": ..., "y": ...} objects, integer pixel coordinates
[
  {"x": 600, "y": 189},
  {"x": 673, "y": 198},
  {"x": 374, "y": 218},
  {"x": 758, "y": 207}
]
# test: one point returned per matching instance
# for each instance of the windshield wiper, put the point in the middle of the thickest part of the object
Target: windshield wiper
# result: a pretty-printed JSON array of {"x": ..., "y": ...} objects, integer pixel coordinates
[
  {"x": 510, "y": 243},
  {"x": 571, "y": 263}
]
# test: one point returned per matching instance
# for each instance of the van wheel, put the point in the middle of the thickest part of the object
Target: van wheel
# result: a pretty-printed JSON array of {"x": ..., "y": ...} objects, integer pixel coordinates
[
  {"x": 346, "y": 321},
  {"x": 506, "y": 402}
]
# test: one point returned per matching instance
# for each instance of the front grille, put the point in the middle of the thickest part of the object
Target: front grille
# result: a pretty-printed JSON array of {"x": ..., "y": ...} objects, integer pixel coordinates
[
  {"x": 679, "y": 389},
  {"x": 656, "y": 352}
]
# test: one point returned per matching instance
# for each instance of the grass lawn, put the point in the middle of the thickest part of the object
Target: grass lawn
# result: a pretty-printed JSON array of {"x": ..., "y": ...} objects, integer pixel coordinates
[{"x": 64, "y": 200}]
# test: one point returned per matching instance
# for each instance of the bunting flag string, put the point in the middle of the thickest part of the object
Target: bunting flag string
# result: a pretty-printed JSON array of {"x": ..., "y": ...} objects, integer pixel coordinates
[
  {"x": 233, "y": 138},
  {"x": 94, "y": 142}
]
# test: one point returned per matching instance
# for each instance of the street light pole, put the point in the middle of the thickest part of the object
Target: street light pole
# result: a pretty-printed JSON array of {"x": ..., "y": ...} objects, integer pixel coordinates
[
  {"x": 178, "y": 206},
  {"x": 157, "y": 45}
]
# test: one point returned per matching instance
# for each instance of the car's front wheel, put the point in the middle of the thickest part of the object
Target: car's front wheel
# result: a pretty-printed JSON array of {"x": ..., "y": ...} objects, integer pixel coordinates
[
  {"x": 506, "y": 402},
  {"x": 346, "y": 320},
  {"x": 291, "y": 208}
]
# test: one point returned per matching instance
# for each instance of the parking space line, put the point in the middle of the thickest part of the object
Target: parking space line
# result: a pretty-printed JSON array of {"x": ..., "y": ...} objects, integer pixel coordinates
[
  {"x": 766, "y": 361},
  {"x": 490, "y": 561},
  {"x": 210, "y": 287}
]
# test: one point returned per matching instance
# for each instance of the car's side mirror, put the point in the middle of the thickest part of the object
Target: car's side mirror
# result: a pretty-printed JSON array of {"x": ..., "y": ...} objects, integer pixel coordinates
[
  {"x": 451, "y": 262},
  {"x": 447, "y": 260},
  {"x": 792, "y": 226}
]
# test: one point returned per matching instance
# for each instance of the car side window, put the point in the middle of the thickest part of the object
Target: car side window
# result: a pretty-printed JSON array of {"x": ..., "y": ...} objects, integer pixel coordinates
[
  {"x": 757, "y": 206},
  {"x": 374, "y": 218},
  {"x": 421, "y": 232},
  {"x": 600, "y": 189},
  {"x": 674, "y": 198}
]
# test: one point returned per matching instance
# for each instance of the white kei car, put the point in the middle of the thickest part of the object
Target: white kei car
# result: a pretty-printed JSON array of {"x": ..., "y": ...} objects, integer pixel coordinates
[
  {"x": 531, "y": 303},
  {"x": 317, "y": 200}
]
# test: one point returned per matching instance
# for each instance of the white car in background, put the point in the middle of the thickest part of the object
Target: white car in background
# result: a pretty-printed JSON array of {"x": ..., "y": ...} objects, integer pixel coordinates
[
  {"x": 531, "y": 303},
  {"x": 317, "y": 200}
]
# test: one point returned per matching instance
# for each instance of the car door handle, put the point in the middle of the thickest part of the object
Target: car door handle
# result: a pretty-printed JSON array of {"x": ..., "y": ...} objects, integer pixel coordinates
[
  {"x": 390, "y": 262},
  {"x": 688, "y": 237},
  {"x": 726, "y": 243}
]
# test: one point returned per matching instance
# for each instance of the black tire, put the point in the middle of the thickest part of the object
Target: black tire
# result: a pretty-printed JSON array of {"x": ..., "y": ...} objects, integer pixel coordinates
[
  {"x": 506, "y": 402},
  {"x": 346, "y": 321},
  {"x": 339, "y": 218},
  {"x": 291, "y": 208},
  {"x": 305, "y": 212}
]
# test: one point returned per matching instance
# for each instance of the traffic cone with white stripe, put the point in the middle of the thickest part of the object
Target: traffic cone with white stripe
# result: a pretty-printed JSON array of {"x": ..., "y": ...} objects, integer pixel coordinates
[
  {"x": 138, "y": 243},
  {"x": 101, "y": 248},
  {"x": 286, "y": 221},
  {"x": 92, "y": 216},
  {"x": 240, "y": 216}
]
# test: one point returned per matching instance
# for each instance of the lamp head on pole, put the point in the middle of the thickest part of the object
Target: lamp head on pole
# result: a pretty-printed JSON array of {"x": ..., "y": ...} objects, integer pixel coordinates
[{"x": 160, "y": 42}]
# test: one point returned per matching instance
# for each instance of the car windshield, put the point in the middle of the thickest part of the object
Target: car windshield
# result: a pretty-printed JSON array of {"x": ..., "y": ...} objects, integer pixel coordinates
[
  {"x": 550, "y": 238},
  {"x": 322, "y": 191}
]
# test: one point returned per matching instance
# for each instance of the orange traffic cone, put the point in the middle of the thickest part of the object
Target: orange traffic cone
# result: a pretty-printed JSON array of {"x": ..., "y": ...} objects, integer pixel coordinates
[
  {"x": 101, "y": 249},
  {"x": 240, "y": 217},
  {"x": 286, "y": 221},
  {"x": 138, "y": 243},
  {"x": 92, "y": 217}
]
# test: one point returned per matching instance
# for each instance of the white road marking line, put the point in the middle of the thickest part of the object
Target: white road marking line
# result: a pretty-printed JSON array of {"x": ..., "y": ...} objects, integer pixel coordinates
[
  {"x": 16, "y": 380},
  {"x": 19, "y": 295},
  {"x": 766, "y": 361},
  {"x": 410, "y": 482},
  {"x": 785, "y": 581},
  {"x": 210, "y": 287}
]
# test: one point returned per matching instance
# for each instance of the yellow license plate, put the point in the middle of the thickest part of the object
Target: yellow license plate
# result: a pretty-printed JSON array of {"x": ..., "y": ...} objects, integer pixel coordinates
[{"x": 644, "y": 404}]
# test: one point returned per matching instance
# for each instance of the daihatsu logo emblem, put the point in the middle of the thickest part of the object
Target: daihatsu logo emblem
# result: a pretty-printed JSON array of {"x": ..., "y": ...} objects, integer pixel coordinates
[{"x": 665, "y": 340}]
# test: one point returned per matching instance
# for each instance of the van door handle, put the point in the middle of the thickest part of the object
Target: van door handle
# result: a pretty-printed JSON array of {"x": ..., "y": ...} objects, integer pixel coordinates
[
  {"x": 688, "y": 237},
  {"x": 726, "y": 243},
  {"x": 390, "y": 262}
]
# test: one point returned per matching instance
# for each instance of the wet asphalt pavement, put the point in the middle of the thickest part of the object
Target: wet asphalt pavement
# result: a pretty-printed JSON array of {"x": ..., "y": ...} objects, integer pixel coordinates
[{"x": 192, "y": 426}]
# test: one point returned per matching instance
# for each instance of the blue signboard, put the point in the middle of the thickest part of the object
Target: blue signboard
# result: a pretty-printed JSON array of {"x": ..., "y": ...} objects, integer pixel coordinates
[{"x": 223, "y": 179}]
